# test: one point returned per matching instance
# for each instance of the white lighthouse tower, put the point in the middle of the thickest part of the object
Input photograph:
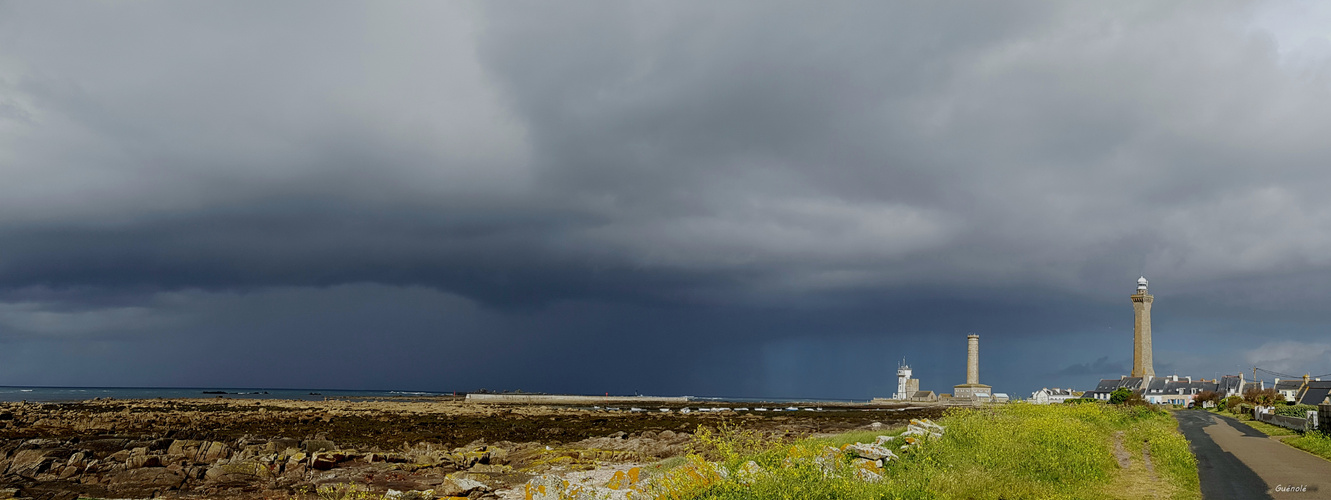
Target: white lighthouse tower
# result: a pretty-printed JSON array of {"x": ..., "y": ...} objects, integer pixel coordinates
[{"x": 906, "y": 386}]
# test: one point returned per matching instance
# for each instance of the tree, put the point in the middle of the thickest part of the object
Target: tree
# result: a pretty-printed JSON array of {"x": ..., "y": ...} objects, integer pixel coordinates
[{"x": 1120, "y": 396}]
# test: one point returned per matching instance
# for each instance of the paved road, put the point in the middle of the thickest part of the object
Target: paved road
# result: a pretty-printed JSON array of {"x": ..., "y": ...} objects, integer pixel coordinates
[{"x": 1238, "y": 462}]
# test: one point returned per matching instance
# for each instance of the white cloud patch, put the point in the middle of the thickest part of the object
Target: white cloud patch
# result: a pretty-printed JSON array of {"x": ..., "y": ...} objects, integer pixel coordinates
[{"x": 1292, "y": 357}]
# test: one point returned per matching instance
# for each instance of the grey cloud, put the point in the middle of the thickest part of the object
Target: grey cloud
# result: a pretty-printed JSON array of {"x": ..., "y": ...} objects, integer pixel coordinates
[{"x": 618, "y": 164}]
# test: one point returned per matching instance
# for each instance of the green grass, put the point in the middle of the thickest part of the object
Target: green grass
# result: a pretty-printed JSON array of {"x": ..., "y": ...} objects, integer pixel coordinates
[
  {"x": 1011, "y": 451},
  {"x": 1271, "y": 430},
  {"x": 1263, "y": 427},
  {"x": 1312, "y": 442}
]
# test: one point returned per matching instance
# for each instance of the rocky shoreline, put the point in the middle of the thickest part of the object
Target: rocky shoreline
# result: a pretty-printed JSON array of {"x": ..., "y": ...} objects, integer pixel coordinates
[{"x": 237, "y": 448}]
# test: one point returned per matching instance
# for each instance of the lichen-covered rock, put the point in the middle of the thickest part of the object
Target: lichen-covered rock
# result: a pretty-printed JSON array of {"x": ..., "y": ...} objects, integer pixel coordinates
[
  {"x": 146, "y": 482},
  {"x": 868, "y": 470},
  {"x": 316, "y": 445},
  {"x": 409, "y": 495},
  {"x": 869, "y": 451},
  {"x": 457, "y": 485},
  {"x": 750, "y": 472},
  {"x": 238, "y": 472}
]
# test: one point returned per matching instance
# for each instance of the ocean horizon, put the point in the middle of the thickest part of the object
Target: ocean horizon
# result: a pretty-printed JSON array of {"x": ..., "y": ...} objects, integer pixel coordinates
[
  {"x": 73, "y": 394},
  {"x": 40, "y": 394}
]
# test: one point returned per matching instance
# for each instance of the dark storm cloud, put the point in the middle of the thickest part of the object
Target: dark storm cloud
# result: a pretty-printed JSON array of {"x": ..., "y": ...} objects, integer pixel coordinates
[
  {"x": 1101, "y": 366},
  {"x": 743, "y": 193}
]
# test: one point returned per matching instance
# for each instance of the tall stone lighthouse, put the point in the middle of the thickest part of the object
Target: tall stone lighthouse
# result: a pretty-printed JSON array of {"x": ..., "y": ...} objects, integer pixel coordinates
[
  {"x": 972, "y": 388},
  {"x": 1142, "y": 363}
]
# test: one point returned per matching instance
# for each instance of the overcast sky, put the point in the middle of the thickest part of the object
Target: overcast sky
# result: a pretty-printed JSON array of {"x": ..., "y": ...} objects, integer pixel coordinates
[{"x": 737, "y": 199}]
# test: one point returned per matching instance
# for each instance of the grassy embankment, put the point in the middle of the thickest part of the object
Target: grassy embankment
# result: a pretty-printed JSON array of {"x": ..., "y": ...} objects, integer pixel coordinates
[
  {"x": 1312, "y": 442},
  {"x": 1010, "y": 451}
]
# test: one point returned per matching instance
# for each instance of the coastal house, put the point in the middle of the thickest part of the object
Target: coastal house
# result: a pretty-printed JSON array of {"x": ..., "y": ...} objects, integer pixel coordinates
[
  {"x": 1109, "y": 385},
  {"x": 923, "y": 397},
  {"x": 1175, "y": 390},
  {"x": 1232, "y": 385},
  {"x": 1313, "y": 392},
  {"x": 1053, "y": 396},
  {"x": 1289, "y": 388}
]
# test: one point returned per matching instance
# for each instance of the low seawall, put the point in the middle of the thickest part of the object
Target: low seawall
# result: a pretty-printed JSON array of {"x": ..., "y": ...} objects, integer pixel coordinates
[{"x": 558, "y": 399}]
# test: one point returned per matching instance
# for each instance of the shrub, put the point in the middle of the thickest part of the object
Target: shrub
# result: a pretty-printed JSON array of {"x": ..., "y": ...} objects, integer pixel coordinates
[
  {"x": 1120, "y": 396},
  {"x": 1241, "y": 409},
  {"x": 1262, "y": 397},
  {"x": 1232, "y": 401},
  {"x": 1205, "y": 396},
  {"x": 1294, "y": 410}
]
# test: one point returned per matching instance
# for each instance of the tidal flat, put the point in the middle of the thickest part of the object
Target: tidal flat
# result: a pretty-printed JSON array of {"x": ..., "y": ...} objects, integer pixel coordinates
[{"x": 241, "y": 448}]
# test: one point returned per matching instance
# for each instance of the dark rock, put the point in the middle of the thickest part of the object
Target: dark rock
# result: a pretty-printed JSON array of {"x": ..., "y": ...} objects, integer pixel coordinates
[
  {"x": 34, "y": 444},
  {"x": 104, "y": 447},
  {"x": 160, "y": 444},
  {"x": 323, "y": 461}
]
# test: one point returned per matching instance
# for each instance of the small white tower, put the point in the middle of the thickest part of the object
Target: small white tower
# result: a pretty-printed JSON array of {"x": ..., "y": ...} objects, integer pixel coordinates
[{"x": 903, "y": 382}]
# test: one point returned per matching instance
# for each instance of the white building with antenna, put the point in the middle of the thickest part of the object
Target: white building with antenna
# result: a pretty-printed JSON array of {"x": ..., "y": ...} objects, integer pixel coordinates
[{"x": 906, "y": 386}]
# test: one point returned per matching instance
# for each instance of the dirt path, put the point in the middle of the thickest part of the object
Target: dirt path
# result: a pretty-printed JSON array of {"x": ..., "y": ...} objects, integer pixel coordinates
[{"x": 1236, "y": 461}]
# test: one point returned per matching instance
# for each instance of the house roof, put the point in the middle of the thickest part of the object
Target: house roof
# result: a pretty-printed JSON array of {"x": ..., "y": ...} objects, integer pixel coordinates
[
  {"x": 1229, "y": 383},
  {"x": 1107, "y": 385},
  {"x": 1289, "y": 385},
  {"x": 1157, "y": 386},
  {"x": 1316, "y": 391},
  {"x": 1056, "y": 392},
  {"x": 1163, "y": 387}
]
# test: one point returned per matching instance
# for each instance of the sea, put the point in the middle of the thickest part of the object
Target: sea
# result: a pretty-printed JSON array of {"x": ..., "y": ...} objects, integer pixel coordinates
[{"x": 71, "y": 394}]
